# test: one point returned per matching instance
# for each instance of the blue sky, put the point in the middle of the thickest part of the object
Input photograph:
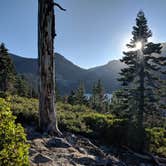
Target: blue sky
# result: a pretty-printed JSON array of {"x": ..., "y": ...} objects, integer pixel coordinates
[{"x": 90, "y": 32}]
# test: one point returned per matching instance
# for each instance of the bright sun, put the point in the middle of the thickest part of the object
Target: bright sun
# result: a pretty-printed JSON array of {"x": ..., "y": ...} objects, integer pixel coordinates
[{"x": 138, "y": 45}]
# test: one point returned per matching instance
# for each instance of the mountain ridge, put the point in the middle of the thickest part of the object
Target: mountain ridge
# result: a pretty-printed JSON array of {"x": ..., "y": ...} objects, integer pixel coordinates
[{"x": 68, "y": 74}]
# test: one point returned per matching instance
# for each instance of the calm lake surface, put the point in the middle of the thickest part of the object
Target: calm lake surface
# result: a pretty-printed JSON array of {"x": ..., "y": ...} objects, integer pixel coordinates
[{"x": 108, "y": 95}]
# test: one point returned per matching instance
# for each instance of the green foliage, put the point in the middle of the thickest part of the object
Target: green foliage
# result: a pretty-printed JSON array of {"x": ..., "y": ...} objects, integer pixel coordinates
[
  {"x": 119, "y": 105},
  {"x": 98, "y": 100},
  {"x": 81, "y": 119},
  {"x": 70, "y": 117},
  {"x": 21, "y": 86},
  {"x": 7, "y": 70},
  {"x": 74, "y": 118},
  {"x": 78, "y": 96},
  {"x": 26, "y": 109},
  {"x": 73, "y": 122},
  {"x": 13, "y": 146},
  {"x": 71, "y": 98},
  {"x": 97, "y": 97},
  {"x": 73, "y": 108},
  {"x": 121, "y": 108},
  {"x": 162, "y": 93},
  {"x": 156, "y": 140},
  {"x": 140, "y": 76},
  {"x": 10, "y": 81},
  {"x": 106, "y": 127}
]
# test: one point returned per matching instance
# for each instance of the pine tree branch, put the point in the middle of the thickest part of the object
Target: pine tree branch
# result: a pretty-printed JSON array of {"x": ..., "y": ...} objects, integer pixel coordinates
[{"x": 57, "y": 5}]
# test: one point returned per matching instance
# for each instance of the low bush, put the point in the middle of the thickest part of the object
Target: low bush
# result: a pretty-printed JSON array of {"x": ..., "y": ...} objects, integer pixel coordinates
[
  {"x": 83, "y": 120},
  {"x": 106, "y": 127},
  {"x": 73, "y": 122},
  {"x": 26, "y": 109},
  {"x": 13, "y": 146},
  {"x": 156, "y": 140}
]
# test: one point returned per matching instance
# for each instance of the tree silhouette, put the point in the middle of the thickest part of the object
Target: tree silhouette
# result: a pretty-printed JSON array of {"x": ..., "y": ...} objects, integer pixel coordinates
[{"x": 139, "y": 78}]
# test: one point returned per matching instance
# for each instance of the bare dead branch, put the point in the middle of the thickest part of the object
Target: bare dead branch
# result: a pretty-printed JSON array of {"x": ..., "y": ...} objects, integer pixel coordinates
[{"x": 56, "y": 4}]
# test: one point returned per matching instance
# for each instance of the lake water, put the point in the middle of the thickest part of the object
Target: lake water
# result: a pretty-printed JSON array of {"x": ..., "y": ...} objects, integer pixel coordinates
[{"x": 108, "y": 95}]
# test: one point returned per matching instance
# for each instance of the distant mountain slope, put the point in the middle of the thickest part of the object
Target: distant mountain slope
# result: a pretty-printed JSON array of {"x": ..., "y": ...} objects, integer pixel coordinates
[
  {"x": 68, "y": 74},
  {"x": 109, "y": 73},
  {"x": 25, "y": 65}
]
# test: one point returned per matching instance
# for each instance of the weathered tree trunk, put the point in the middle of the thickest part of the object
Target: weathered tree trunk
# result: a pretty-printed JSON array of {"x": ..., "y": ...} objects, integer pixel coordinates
[{"x": 46, "y": 33}]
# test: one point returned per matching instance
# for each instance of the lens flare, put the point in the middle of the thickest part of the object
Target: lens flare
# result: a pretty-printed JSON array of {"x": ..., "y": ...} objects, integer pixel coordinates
[{"x": 138, "y": 45}]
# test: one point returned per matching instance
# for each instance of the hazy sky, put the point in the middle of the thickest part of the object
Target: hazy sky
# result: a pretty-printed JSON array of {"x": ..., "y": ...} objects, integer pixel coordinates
[{"x": 90, "y": 32}]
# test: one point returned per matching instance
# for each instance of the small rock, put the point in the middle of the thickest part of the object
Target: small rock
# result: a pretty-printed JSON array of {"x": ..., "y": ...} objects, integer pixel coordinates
[
  {"x": 39, "y": 145},
  {"x": 42, "y": 159},
  {"x": 82, "y": 150},
  {"x": 32, "y": 151},
  {"x": 85, "y": 161},
  {"x": 58, "y": 143}
]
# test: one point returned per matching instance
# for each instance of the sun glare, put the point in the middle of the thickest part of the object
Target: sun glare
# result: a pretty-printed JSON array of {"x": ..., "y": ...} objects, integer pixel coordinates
[{"x": 138, "y": 45}]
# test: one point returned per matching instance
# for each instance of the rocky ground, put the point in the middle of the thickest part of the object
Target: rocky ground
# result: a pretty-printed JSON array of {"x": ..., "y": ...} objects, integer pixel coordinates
[{"x": 72, "y": 150}]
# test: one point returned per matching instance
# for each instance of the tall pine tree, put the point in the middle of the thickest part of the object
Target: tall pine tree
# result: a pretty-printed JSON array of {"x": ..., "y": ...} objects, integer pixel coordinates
[
  {"x": 7, "y": 70},
  {"x": 80, "y": 94},
  {"x": 21, "y": 86},
  {"x": 71, "y": 98},
  {"x": 162, "y": 90},
  {"x": 98, "y": 97},
  {"x": 139, "y": 78}
]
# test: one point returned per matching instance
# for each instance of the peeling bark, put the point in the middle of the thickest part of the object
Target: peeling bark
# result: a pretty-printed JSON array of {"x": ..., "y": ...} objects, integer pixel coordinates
[{"x": 46, "y": 34}]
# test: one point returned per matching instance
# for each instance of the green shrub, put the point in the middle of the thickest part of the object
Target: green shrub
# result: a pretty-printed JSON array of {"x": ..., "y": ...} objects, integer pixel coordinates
[
  {"x": 106, "y": 127},
  {"x": 83, "y": 120},
  {"x": 64, "y": 107},
  {"x": 26, "y": 109},
  {"x": 101, "y": 126},
  {"x": 73, "y": 108},
  {"x": 81, "y": 108},
  {"x": 13, "y": 147},
  {"x": 156, "y": 140},
  {"x": 73, "y": 122},
  {"x": 70, "y": 118}
]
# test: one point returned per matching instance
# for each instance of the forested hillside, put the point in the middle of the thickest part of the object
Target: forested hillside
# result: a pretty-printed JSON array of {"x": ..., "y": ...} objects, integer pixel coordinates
[{"x": 69, "y": 75}]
